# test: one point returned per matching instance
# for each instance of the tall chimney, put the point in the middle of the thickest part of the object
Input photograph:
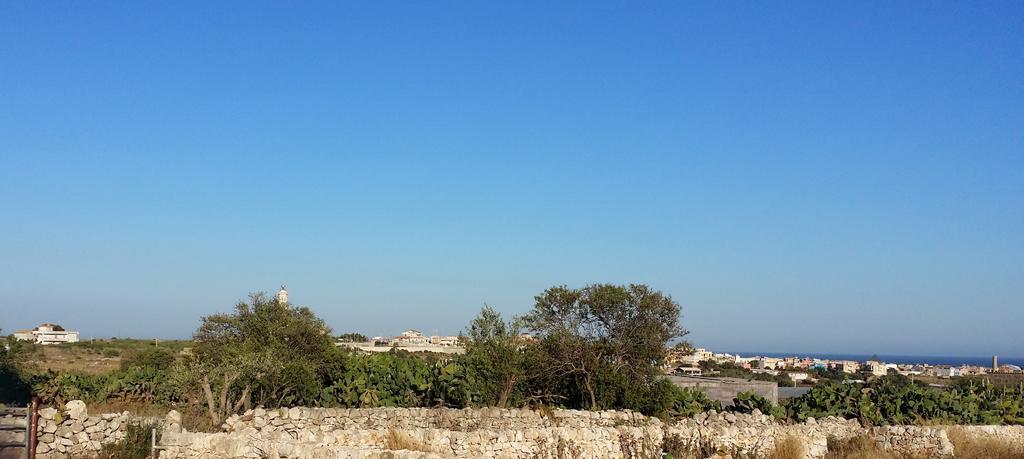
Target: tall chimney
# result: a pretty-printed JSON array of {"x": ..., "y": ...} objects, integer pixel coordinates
[{"x": 995, "y": 363}]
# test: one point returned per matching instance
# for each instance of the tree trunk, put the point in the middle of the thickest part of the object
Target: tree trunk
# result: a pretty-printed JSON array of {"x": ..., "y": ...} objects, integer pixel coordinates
[
  {"x": 506, "y": 390},
  {"x": 243, "y": 400},
  {"x": 210, "y": 404},
  {"x": 590, "y": 390}
]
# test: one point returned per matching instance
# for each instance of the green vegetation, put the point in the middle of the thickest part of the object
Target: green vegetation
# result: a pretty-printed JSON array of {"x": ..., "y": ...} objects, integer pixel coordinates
[
  {"x": 732, "y": 370},
  {"x": 494, "y": 359},
  {"x": 13, "y": 387},
  {"x": 122, "y": 345},
  {"x": 688, "y": 402},
  {"x": 264, "y": 353},
  {"x": 894, "y": 399},
  {"x": 136, "y": 443},
  {"x": 599, "y": 347},
  {"x": 353, "y": 338},
  {"x": 747, "y": 402},
  {"x": 148, "y": 376},
  {"x": 835, "y": 374}
]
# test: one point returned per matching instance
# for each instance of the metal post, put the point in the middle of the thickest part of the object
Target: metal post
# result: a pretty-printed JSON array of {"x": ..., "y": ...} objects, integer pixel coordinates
[
  {"x": 153, "y": 446},
  {"x": 32, "y": 428}
]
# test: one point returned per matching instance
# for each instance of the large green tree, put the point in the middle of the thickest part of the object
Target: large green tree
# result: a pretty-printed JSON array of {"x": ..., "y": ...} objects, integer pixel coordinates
[
  {"x": 493, "y": 357},
  {"x": 264, "y": 353},
  {"x": 604, "y": 329}
]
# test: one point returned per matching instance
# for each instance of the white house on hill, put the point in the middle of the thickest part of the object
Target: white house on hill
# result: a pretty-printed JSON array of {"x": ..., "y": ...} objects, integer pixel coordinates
[
  {"x": 411, "y": 338},
  {"x": 47, "y": 334}
]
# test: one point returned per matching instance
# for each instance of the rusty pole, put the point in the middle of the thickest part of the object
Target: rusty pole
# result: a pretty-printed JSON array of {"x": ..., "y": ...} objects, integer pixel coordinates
[{"x": 33, "y": 427}]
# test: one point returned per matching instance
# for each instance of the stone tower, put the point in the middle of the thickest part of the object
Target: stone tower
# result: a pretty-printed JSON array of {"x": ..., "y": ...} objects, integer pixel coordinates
[{"x": 282, "y": 296}]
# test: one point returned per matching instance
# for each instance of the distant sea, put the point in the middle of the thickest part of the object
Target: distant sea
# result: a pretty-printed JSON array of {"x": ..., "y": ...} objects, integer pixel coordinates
[{"x": 900, "y": 359}]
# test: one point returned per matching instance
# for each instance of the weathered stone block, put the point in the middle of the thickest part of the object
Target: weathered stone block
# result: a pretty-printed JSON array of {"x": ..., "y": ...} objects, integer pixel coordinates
[{"x": 76, "y": 409}]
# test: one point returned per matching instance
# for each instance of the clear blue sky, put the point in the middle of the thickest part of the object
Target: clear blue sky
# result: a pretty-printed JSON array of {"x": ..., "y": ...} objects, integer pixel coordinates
[{"x": 800, "y": 176}]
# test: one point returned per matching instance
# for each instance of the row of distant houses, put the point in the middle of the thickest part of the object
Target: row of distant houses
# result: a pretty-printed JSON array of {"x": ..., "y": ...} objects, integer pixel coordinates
[
  {"x": 414, "y": 338},
  {"x": 47, "y": 334},
  {"x": 690, "y": 363}
]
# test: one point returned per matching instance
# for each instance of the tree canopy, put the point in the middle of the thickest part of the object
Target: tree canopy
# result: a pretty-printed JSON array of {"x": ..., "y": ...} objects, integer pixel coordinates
[
  {"x": 271, "y": 350},
  {"x": 494, "y": 357},
  {"x": 602, "y": 332}
]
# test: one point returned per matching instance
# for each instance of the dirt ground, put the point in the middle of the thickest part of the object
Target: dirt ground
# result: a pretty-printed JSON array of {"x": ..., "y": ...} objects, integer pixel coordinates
[{"x": 93, "y": 357}]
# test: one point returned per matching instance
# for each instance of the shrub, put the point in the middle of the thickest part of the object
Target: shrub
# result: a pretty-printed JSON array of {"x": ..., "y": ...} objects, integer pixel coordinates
[
  {"x": 859, "y": 447},
  {"x": 13, "y": 386},
  {"x": 136, "y": 443},
  {"x": 747, "y": 402},
  {"x": 397, "y": 440},
  {"x": 688, "y": 402},
  {"x": 158, "y": 358},
  {"x": 895, "y": 400},
  {"x": 983, "y": 446},
  {"x": 787, "y": 447}
]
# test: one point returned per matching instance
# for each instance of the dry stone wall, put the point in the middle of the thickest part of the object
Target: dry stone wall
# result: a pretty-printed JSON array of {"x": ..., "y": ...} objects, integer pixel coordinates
[
  {"x": 72, "y": 432},
  {"x": 329, "y": 432},
  {"x": 408, "y": 433},
  {"x": 756, "y": 434}
]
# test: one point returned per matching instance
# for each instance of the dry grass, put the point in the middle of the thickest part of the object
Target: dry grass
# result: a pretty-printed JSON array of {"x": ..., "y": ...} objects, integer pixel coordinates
[
  {"x": 788, "y": 447},
  {"x": 698, "y": 447},
  {"x": 64, "y": 358},
  {"x": 983, "y": 447},
  {"x": 860, "y": 447},
  {"x": 195, "y": 418},
  {"x": 677, "y": 447},
  {"x": 396, "y": 440}
]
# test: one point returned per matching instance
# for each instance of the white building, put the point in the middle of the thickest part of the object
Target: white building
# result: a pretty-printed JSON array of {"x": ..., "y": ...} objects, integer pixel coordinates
[
  {"x": 876, "y": 368},
  {"x": 411, "y": 338},
  {"x": 47, "y": 334},
  {"x": 769, "y": 363},
  {"x": 846, "y": 366},
  {"x": 948, "y": 372},
  {"x": 798, "y": 376},
  {"x": 444, "y": 340},
  {"x": 282, "y": 296}
]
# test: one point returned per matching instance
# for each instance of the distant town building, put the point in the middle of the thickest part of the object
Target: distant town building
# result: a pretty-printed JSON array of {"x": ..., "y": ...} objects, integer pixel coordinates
[
  {"x": 798, "y": 376},
  {"x": 688, "y": 371},
  {"x": 444, "y": 340},
  {"x": 47, "y": 334},
  {"x": 912, "y": 370},
  {"x": 846, "y": 366},
  {"x": 947, "y": 372},
  {"x": 699, "y": 355},
  {"x": 769, "y": 363},
  {"x": 876, "y": 368},
  {"x": 282, "y": 296},
  {"x": 411, "y": 338}
]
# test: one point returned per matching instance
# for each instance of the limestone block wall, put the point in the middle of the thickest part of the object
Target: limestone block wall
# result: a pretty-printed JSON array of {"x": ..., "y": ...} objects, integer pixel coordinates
[
  {"x": 320, "y": 432},
  {"x": 756, "y": 434},
  {"x": 407, "y": 433},
  {"x": 72, "y": 432}
]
